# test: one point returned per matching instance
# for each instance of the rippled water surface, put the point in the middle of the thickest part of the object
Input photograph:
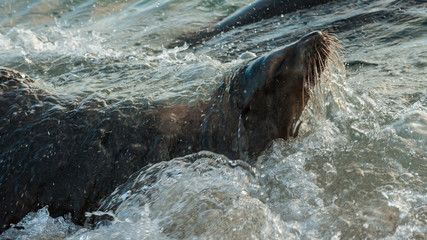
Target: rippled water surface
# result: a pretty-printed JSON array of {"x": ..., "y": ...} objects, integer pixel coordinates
[{"x": 358, "y": 168}]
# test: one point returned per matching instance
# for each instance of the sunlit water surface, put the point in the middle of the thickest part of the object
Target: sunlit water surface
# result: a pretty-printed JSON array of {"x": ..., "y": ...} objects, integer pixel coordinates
[{"x": 358, "y": 168}]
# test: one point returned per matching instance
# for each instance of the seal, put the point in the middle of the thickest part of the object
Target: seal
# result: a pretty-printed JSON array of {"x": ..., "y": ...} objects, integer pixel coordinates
[
  {"x": 69, "y": 156},
  {"x": 263, "y": 9},
  {"x": 254, "y": 12}
]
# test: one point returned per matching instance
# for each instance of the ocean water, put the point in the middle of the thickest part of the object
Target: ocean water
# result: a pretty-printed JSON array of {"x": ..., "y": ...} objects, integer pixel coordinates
[{"x": 357, "y": 170}]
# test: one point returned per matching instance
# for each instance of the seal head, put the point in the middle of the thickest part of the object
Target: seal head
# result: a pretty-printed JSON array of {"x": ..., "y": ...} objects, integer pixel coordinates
[{"x": 269, "y": 94}]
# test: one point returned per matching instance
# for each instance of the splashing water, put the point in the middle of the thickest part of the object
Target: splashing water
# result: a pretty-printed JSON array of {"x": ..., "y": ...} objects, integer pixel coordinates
[{"x": 358, "y": 168}]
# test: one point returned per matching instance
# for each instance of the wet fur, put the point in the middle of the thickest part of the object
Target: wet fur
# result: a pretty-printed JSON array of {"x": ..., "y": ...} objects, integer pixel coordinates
[{"x": 57, "y": 153}]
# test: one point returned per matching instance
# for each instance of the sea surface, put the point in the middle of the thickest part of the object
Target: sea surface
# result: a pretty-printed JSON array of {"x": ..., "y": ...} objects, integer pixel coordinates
[{"x": 357, "y": 170}]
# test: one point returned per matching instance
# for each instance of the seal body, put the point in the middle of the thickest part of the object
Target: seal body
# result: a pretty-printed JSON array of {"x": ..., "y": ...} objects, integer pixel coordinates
[{"x": 68, "y": 156}]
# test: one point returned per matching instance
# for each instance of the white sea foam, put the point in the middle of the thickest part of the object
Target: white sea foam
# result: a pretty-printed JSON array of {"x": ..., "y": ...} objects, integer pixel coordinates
[{"x": 57, "y": 41}]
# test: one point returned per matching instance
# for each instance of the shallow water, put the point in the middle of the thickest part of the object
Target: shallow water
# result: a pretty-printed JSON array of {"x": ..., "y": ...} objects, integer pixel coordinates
[{"x": 358, "y": 168}]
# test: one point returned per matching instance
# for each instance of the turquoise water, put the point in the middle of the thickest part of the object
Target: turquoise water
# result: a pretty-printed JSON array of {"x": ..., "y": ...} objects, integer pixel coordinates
[{"x": 358, "y": 168}]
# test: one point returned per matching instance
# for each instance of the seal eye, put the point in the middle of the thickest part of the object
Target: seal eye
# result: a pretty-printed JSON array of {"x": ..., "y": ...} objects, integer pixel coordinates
[{"x": 246, "y": 110}]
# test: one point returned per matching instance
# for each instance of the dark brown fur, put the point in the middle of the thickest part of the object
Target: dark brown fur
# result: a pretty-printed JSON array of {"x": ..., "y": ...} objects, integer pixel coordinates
[{"x": 68, "y": 157}]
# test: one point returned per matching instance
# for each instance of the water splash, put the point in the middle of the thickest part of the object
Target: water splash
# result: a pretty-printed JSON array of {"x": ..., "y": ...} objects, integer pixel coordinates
[
  {"x": 39, "y": 225},
  {"x": 202, "y": 195}
]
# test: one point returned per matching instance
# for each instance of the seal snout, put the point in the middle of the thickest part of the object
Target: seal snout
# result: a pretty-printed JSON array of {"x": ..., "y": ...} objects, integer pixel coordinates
[
  {"x": 312, "y": 35},
  {"x": 314, "y": 43},
  {"x": 315, "y": 49}
]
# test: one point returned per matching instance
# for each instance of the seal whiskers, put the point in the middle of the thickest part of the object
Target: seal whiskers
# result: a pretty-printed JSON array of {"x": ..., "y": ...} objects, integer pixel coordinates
[{"x": 325, "y": 53}]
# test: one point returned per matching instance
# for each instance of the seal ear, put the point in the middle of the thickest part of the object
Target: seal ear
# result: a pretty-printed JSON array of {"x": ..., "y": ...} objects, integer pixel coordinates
[
  {"x": 260, "y": 73},
  {"x": 254, "y": 77}
]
